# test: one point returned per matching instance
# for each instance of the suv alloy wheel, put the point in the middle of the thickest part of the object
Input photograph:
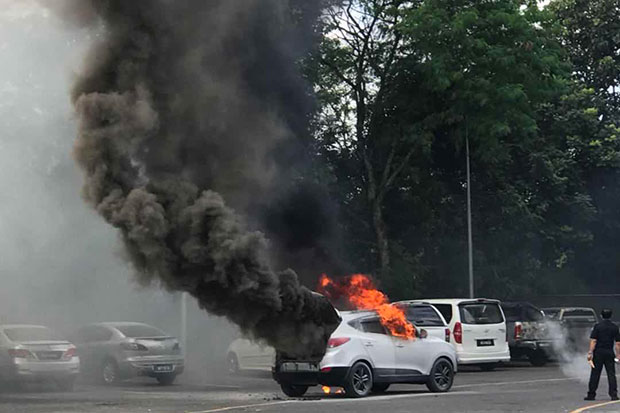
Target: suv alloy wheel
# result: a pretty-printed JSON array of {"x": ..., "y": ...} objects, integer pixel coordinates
[
  {"x": 359, "y": 382},
  {"x": 442, "y": 376}
]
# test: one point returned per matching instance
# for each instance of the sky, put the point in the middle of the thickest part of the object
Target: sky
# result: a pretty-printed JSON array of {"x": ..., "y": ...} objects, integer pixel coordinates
[{"x": 60, "y": 263}]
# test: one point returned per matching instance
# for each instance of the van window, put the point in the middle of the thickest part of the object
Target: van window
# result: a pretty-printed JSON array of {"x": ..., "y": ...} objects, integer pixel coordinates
[
  {"x": 480, "y": 313},
  {"x": 423, "y": 316},
  {"x": 445, "y": 310}
]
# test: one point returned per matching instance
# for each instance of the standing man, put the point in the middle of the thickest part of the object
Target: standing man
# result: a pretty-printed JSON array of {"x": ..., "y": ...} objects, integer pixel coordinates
[{"x": 604, "y": 337}]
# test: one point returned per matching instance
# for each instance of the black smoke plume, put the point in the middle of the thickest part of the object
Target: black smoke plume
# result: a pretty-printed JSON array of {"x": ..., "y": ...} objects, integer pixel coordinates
[{"x": 183, "y": 103}]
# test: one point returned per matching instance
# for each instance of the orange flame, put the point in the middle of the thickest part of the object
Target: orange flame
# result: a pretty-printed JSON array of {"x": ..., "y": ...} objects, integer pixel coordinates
[
  {"x": 326, "y": 389},
  {"x": 361, "y": 293}
]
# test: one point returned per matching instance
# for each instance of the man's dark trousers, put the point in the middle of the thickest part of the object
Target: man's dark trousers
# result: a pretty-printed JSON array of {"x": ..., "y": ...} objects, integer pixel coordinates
[{"x": 603, "y": 358}]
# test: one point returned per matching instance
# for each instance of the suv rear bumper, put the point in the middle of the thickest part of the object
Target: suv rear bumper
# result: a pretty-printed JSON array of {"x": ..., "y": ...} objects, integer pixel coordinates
[{"x": 334, "y": 377}]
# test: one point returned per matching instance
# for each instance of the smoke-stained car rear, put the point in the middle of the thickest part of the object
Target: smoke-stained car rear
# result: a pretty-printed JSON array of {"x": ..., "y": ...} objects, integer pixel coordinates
[
  {"x": 527, "y": 333},
  {"x": 362, "y": 357},
  {"x": 37, "y": 353},
  {"x": 116, "y": 351}
]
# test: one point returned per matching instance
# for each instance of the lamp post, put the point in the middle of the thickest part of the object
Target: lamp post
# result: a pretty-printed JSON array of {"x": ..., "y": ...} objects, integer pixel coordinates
[{"x": 469, "y": 236}]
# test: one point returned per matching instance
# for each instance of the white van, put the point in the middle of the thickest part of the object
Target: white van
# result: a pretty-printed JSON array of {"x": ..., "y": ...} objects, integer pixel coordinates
[{"x": 478, "y": 329}]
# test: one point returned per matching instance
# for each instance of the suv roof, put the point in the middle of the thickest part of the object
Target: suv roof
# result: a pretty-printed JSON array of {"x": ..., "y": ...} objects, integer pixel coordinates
[{"x": 455, "y": 301}]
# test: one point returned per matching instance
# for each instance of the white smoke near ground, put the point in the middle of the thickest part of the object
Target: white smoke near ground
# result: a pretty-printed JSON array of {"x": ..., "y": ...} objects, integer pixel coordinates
[{"x": 569, "y": 351}]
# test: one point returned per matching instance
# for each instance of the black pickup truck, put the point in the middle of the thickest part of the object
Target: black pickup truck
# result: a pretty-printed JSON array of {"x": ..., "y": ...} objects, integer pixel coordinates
[
  {"x": 575, "y": 324},
  {"x": 527, "y": 333}
]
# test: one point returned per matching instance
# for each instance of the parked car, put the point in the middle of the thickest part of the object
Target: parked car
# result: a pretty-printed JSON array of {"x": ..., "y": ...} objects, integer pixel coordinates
[
  {"x": 575, "y": 325},
  {"x": 36, "y": 353},
  {"x": 478, "y": 330},
  {"x": 424, "y": 315},
  {"x": 116, "y": 351},
  {"x": 527, "y": 333},
  {"x": 363, "y": 357},
  {"x": 244, "y": 354}
]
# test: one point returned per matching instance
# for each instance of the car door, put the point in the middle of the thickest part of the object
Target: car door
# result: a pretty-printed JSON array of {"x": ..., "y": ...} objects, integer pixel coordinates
[
  {"x": 379, "y": 347},
  {"x": 484, "y": 326}
]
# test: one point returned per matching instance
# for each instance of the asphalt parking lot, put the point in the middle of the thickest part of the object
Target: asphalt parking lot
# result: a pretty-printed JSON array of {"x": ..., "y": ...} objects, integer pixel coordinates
[{"x": 513, "y": 388}]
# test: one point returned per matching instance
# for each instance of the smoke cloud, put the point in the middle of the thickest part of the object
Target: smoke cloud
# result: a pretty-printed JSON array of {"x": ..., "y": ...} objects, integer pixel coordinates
[{"x": 180, "y": 105}]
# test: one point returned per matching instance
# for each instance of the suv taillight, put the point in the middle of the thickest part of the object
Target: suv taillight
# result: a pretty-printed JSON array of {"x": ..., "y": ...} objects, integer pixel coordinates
[
  {"x": 335, "y": 342},
  {"x": 458, "y": 333},
  {"x": 447, "y": 335},
  {"x": 518, "y": 330},
  {"x": 20, "y": 353}
]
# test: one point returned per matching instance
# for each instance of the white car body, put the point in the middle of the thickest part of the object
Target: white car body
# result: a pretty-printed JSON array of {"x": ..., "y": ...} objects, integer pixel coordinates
[
  {"x": 361, "y": 338},
  {"x": 483, "y": 340},
  {"x": 244, "y": 354},
  {"x": 32, "y": 353}
]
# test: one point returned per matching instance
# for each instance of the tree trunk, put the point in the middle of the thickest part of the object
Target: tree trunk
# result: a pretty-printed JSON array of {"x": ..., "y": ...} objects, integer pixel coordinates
[{"x": 382, "y": 239}]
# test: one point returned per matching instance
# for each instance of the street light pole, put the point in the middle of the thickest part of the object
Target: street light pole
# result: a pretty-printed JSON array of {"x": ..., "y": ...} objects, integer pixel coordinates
[{"x": 469, "y": 236}]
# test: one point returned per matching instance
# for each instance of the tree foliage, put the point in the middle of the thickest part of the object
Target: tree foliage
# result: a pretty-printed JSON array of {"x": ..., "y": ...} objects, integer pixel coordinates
[{"x": 403, "y": 84}]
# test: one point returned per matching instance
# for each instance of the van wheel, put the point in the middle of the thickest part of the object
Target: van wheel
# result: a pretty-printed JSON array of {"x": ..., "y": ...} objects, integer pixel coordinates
[
  {"x": 488, "y": 366},
  {"x": 292, "y": 390},
  {"x": 537, "y": 358},
  {"x": 442, "y": 376},
  {"x": 109, "y": 373},
  {"x": 380, "y": 387},
  {"x": 359, "y": 381}
]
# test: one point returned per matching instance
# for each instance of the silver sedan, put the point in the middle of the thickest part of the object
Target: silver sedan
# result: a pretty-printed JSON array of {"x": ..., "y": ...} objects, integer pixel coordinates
[
  {"x": 116, "y": 351},
  {"x": 36, "y": 353}
]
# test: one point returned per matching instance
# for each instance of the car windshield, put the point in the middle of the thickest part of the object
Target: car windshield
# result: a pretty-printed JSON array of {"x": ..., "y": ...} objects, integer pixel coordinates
[
  {"x": 140, "y": 330},
  {"x": 31, "y": 334},
  {"x": 481, "y": 313}
]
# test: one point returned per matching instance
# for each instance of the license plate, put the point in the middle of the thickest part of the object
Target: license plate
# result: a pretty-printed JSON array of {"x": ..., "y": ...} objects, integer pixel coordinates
[
  {"x": 289, "y": 366},
  {"x": 163, "y": 368},
  {"x": 485, "y": 343}
]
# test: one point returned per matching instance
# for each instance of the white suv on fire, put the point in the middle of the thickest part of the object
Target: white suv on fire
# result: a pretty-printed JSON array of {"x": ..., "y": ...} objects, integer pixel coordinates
[
  {"x": 362, "y": 357},
  {"x": 478, "y": 329}
]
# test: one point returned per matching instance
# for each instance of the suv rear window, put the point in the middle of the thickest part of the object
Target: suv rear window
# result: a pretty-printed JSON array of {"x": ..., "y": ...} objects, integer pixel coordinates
[
  {"x": 445, "y": 310},
  {"x": 423, "y": 316},
  {"x": 372, "y": 326},
  {"x": 480, "y": 313}
]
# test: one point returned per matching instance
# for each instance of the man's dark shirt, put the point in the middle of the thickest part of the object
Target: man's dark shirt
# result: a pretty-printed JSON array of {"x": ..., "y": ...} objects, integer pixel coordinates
[{"x": 606, "y": 334}]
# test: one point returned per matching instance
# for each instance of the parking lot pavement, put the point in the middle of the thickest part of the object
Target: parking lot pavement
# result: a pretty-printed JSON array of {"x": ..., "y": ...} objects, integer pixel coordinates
[{"x": 519, "y": 388}]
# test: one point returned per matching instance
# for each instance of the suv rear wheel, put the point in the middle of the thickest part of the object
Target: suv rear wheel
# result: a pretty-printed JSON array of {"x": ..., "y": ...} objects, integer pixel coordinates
[
  {"x": 359, "y": 382},
  {"x": 293, "y": 390},
  {"x": 442, "y": 376}
]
